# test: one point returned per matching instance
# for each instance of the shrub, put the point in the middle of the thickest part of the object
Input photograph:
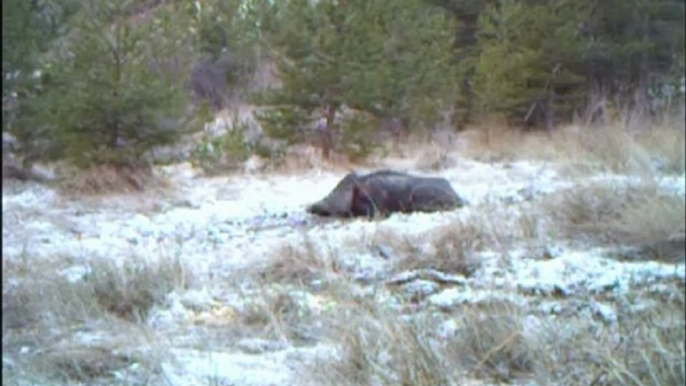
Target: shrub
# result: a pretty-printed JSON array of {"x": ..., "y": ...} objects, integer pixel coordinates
[{"x": 116, "y": 86}]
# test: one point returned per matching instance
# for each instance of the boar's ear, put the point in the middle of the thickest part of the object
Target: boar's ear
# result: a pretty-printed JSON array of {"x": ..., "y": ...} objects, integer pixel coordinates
[
  {"x": 361, "y": 204},
  {"x": 355, "y": 199}
]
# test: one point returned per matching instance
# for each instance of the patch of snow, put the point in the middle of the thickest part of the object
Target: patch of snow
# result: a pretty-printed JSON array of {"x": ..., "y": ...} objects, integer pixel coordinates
[
  {"x": 531, "y": 327},
  {"x": 181, "y": 171},
  {"x": 589, "y": 271},
  {"x": 76, "y": 273},
  {"x": 219, "y": 225},
  {"x": 254, "y": 164},
  {"x": 420, "y": 288},
  {"x": 169, "y": 315},
  {"x": 194, "y": 367},
  {"x": 259, "y": 346},
  {"x": 453, "y": 297},
  {"x": 604, "y": 311},
  {"x": 198, "y": 299},
  {"x": 34, "y": 196},
  {"x": 674, "y": 184},
  {"x": 447, "y": 329}
]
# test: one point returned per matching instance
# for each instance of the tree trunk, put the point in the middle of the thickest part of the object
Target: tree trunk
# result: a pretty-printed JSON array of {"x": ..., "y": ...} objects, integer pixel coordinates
[
  {"x": 549, "y": 113},
  {"x": 324, "y": 132},
  {"x": 467, "y": 104},
  {"x": 114, "y": 134}
]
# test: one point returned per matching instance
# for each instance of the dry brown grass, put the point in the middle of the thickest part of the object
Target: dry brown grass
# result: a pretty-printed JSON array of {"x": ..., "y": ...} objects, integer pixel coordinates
[
  {"x": 122, "y": 355},
  {"x": 455, "y": 249},
  {"x": 300, "y": 158},
  {"x": 383, "y": 347},
  {"x": 397, "y": 244},
  {"x": 644, "y": 348},
  {"x": 500, "y": 342},
  {"x": 629, "y": 215},
  {"x": 279, "y": 313},
  {"x": 29, "y": 293},
  {"x": 610, "y": 148},
  {"x": 490, "y": 342},
  {"x": 38, "y": 291},
  {"x": 278, "y": 302},
  {"x": 298, "y": 264},
  {"x": 666, "y": 145},
  {"x": 130, "y": 291},
  {"x": 434, "y": 157},
  {"x": 81, "y": 329},
  {"x": 652, "y": 350},
  {"x": 83, "y": 364},
  {"x": 585, "y": 148},
  {"x": 494, "y": 141},
  {"x": 380, "y": 347},
  {"x": 104, "y": 179}
]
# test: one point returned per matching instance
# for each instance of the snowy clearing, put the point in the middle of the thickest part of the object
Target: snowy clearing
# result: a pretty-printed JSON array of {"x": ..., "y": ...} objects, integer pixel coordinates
[{"x": 220, "y": 228}]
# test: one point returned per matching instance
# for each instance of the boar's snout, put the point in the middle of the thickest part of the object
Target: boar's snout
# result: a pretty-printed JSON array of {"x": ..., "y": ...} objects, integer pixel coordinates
[{"x": 318, "y": 209}]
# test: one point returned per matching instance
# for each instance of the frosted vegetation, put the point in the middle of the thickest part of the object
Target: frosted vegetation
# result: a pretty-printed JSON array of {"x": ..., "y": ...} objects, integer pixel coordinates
[
  {"x": 158, "y": 158},
  {"x": 557, "y": 272}
]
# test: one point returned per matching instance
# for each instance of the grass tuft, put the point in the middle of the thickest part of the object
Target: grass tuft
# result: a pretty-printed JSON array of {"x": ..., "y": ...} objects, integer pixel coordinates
[
  {"x": 434, "y": 157},
  {"x": 381, "y": 347},
  {"x": 130, "y": 291},
  {"x": 103, "y": 179},
  {"x": 490, "y": 343},
  {"x": 62, "y": 329},
  {"x": 638, "y": 216},
  {"x": 610, "y": 148},
  {"x": 280, "y": 314},
  {"x": 454, "y": 251},
  {"x": 298, "y": 264}
]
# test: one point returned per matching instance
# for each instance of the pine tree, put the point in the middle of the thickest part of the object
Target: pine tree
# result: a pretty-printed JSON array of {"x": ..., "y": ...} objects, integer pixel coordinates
[
  {"x": 228, "y": 41},
  {"x": 539, "y": 61},
  {"x": 386, "y": 59},
  {"x": 465, "y": 14},
  {"x": 28, "y": 29},
  {"x": 117, "y": 85},
  {"x": 530, "y": 61},
  {"x": 634, "y": 48}
]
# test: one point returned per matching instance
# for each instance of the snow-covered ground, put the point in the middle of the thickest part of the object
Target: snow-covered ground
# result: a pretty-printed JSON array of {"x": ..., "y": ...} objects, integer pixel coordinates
[
  {"x": 219, "y": 226},
  {"x": 238, "y": 218}
]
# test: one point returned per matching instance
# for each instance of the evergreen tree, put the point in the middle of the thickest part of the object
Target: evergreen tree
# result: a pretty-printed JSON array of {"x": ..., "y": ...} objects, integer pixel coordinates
[
  {"x": 228, "y": 37},
  {"x": 465, "y": 14},
  {"x": 387, "y": 59},
  {"x": 28, "y": 29},
  {"x": 116, "y": 86},
  {"x": 530, "y": 61},
  {"x": 634, "y": 47},
  {"x": 538, "y": 61}
]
